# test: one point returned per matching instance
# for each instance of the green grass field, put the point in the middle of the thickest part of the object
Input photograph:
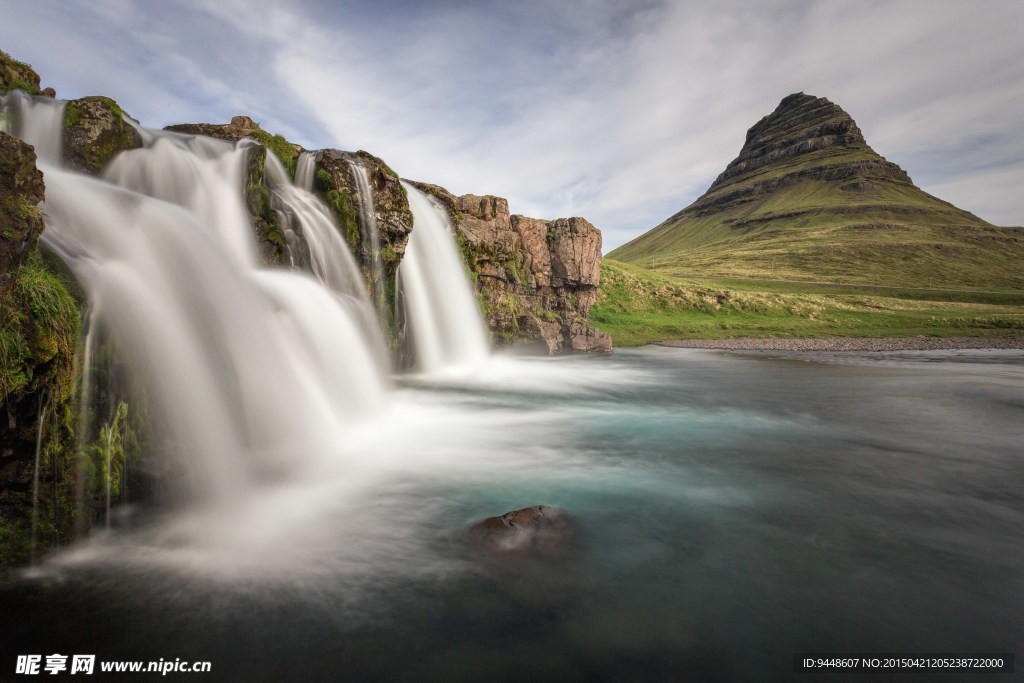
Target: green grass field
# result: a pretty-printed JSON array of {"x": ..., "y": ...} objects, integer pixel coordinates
[{"x": 637, "y": 306}]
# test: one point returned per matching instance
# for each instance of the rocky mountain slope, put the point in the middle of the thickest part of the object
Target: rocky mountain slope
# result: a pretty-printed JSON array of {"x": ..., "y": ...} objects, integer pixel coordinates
[{"x": 808, "y": 199}]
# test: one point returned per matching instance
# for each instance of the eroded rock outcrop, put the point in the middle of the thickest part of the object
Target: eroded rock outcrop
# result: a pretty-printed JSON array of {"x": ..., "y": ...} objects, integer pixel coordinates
[
  {"x": 15, "y": 75},
  {"x": 94, "y": 131},
  {"x": 535, "y": 279},
  {"x": 21, "y": 190},
  {"x": 336, "y": 182}
]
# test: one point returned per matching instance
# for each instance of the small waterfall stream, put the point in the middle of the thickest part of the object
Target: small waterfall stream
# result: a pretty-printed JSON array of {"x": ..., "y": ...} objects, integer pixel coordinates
[
  {"x": 437, "y": 297},
  {"x": 368, "y": 226},
  {"x": 39, "y": 121}
]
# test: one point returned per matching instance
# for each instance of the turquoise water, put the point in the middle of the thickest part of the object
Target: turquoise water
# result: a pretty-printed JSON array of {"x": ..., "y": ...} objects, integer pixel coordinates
[{"x": 736, "y": 508}]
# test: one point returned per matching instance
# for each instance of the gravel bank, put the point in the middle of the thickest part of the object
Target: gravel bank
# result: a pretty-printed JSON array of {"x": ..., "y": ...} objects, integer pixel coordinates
[{"x": 850, "y": 344}]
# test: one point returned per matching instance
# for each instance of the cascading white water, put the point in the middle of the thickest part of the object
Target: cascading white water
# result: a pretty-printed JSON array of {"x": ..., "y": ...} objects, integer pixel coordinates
[
  {"x": 437, "y": 297},
  {"x": 35, "y": 484},
  {"x": 39, "y": 121},
  {"x": 251, "y": 371},
  {"x": 368, "y": 226},
  {"x": 329, "y": 258},
  {"x": 305, "y": 170},
  {"x": 200, "y": 174}
]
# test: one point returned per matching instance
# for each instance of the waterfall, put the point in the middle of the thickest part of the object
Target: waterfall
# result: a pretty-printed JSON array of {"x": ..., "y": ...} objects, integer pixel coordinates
[
  {"x": 251, "y": 372},
  {"x": 437, "y": 297},
  {"x": 328, "y": 255},
  {"x": 368, "y": 226},
  {"x": 305, "y": 170},
  {"x": 33, "y": 542},
  {"x": 39, "y": 121}
]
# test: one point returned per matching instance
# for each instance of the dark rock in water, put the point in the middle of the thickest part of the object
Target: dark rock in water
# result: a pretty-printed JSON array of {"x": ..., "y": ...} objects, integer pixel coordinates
[
  {"x": 540, "y": 531},
  {"x": 94, "y": 131}
]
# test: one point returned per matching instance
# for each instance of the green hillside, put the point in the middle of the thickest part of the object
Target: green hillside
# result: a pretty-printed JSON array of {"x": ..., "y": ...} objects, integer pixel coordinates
[{"x": 807, "y": 199}]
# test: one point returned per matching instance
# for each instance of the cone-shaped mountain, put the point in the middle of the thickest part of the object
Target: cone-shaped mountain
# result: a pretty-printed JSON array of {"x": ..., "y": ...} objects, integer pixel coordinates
[{"x": 808, "y": 199}]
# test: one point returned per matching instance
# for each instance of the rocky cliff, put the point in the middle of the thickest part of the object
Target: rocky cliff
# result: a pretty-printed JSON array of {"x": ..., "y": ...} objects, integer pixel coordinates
[
  {"x": 39, "y": 323},
  {"x": 808, "y": 198},
  {"x": 15, "y": 75},
  {"x": 535, "y": 279}
]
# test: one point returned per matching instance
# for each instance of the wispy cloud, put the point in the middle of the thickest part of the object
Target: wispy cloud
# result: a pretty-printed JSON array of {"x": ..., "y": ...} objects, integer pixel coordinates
[{"x": 616, "y": 110}]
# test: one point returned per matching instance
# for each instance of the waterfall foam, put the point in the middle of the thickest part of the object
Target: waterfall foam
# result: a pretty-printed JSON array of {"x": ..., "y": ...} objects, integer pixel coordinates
[
  {"x": 436, "y": 296},
  {"x": 251, "y": 371},
  {"x": 39, "y": 121},
  {"x": 368, "y": 227}
]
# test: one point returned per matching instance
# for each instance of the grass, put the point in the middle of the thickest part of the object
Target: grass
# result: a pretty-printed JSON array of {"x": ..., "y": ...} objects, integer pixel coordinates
[
  {"x": 285, "y": 151},
  {"x": 637, "y": 306}
]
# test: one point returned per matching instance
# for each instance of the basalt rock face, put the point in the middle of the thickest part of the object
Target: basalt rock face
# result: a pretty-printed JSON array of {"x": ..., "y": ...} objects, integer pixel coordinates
[
  {"x": 808, "y": 198},
  {"x": 535, "y": 279},
  {"x": 94, "y": 131}
]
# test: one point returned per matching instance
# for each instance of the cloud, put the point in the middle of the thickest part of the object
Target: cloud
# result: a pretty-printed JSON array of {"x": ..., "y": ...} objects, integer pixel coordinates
[{"x": 620, "y": 111}]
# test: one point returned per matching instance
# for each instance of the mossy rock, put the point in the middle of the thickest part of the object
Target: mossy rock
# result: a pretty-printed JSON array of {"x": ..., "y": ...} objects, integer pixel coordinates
[
  {"x": 15, "y": 75},
  {"x": 94, "y": 131}
]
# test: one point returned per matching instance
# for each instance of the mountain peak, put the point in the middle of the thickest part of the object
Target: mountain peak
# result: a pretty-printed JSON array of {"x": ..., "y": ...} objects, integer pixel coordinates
[
  {"x": 808, "y": 199},
  {"x": 802, "y": 124}
]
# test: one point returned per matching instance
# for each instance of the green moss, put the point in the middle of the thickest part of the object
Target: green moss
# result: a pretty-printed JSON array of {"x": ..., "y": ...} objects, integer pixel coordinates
[
  {"x": 380, "y": 162},
  {"x": 282, "y": 149},
  {"x": 348, "y": 217},
  {"x": 72, "y": 115},
  {"x": 39, "y": 323},
  {"x": 324, "y": 180},
  {"x": 545, "y": 314}
]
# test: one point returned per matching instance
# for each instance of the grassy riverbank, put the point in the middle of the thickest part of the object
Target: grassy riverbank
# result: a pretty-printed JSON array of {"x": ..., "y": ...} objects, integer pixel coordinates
[{"x": 637, "y": 306}]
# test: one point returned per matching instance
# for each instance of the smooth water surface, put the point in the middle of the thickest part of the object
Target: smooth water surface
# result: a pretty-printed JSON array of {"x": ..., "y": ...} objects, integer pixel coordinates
[{"x": 737, "y": 508}]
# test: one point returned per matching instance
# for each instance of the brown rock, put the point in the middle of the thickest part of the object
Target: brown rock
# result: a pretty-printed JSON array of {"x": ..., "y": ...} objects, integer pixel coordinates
[
  {"x": 540, "y": 531},
  {"x": 21, "y": 190}
]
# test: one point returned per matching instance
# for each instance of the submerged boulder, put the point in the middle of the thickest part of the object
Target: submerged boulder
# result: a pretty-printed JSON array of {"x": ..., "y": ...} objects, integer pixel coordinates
[
  {"x": 94, "y": 131},
  {"x": 540, "y": 531}
]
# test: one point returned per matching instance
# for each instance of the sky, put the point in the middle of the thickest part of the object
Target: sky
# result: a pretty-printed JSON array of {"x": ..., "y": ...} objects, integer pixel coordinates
[{"x": 620, "y": 111}]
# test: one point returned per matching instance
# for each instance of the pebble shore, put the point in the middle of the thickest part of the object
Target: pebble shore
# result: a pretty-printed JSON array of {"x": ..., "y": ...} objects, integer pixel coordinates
[{"x": 850, "y": 344}]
